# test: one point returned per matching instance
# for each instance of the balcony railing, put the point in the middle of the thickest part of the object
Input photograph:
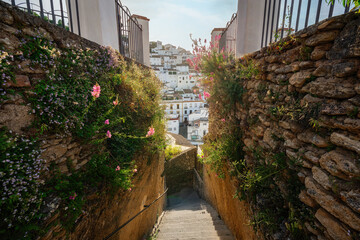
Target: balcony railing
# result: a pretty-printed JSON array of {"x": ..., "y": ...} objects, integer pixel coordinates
[
  {"x": 130, "y": 34},
  {"x": 65, "y": 14},
  {"x": 284, "y": 17},
  {"x": 57, "y": 12}
]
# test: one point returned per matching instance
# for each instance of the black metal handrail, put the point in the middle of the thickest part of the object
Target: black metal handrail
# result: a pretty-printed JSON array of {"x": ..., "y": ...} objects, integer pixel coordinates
[
  {"x": 128, "y": 221},
  {"x": 289, "y": 16},
  {"x": 130, "y": 33},
  {"x": 60, "y": 17}
]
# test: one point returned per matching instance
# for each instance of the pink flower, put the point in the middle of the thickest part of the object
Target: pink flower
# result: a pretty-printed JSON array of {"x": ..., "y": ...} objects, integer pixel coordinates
[
  {"x": 117, "y": 168},
  {"x": 206, "y": 94},
  {"x": 200, "y": 96},
  {"x": 107, "y": 122},
  {"x": 135, "y": 170},
  {"x": 73, "y": 197},
  {"x": 96, "y": 91},
  {"x": 150, "y": 132},
  {"x": 129, "y": 189},
  {"x": 194, "y": 90},
  {"x": 108, "y": 134},
  {"x": 116, "y": 102},
  {"x": 223, "y": 120}
]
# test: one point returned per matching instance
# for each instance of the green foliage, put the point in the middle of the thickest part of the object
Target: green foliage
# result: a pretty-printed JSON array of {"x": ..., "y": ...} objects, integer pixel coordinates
[
  {"x": 346, "y": 3},
  {"x": 63, "y": 104},
  {"x": 171, "y": 151},
  {"x": 264, "y": 178},
  {"x": 20, "y": 167}
]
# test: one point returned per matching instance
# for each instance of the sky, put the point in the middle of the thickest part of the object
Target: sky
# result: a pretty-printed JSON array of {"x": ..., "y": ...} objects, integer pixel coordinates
[{"x": 171, "y": 21}]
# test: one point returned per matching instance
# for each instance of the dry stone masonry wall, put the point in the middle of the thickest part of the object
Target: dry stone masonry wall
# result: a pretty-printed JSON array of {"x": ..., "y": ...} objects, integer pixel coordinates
[
  {"x": 101, "y": 210},
  {"x": 305, "y": 102}
]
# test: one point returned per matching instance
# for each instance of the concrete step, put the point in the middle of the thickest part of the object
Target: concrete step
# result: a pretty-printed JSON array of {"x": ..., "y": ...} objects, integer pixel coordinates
[
  {"x": 195, "y": 238},
  {"x": 190, "y": 225},
  {"x": 196, "y": 231},
  {"x": 193, "y": 221},
  {"x": 189, "y": 218}
]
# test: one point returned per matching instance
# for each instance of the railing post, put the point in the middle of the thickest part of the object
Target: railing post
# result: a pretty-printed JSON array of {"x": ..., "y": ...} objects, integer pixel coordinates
[
  {"x": 77, "y": 16},
  {"x": 263, "y": 28},
  {"x": 28, "y": 6}
]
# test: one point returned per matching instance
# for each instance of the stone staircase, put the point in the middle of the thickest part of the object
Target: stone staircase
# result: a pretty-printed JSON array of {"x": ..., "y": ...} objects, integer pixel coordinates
[{"x": 190, "y": 218}]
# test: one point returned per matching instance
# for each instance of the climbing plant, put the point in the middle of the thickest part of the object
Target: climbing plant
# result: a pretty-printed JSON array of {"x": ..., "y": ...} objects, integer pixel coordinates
[{"x": 92, "y": 95}]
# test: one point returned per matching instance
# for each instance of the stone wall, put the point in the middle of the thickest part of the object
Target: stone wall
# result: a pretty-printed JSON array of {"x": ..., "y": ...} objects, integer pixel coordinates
[
  {"x": 104, "y": 211},
  {"x": 179, "y": 170},
  {"x": 305, "y": 102}
]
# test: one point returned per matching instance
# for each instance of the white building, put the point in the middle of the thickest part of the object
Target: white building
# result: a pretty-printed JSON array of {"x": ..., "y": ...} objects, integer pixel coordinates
[
  {"x": 182, "y": 108},
  {"x": 185, "y": 82},
  {"x": 172, "y": 124},
  {"x": 198, "y": 126},
  {"x": 97, "y": 21}
]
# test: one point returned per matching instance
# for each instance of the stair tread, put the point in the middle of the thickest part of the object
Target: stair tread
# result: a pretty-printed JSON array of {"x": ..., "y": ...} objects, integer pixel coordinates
[{"x": 192, "y": 219}]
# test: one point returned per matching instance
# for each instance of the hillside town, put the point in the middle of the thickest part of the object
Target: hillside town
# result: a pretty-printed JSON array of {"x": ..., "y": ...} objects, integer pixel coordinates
[{"x": 186, "y": 113}]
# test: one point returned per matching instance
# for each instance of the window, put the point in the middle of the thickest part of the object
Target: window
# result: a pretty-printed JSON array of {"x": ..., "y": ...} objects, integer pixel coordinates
[
  {"x": 171, "y": 106},
  {"x": 178, "y": 112},
  {"x": 169, "y": 129},
  {"x": 204, "y": 124},
  {"x": 204, "y": 133},
  {"x": 190, "y": 111},
  {"x": 183, "y": 78},
  {"x": 171, "y": 112},
  {"x": 178, "y": 106},
  {"x": 185, "y": 111},
  {"x": 195, "y": 104}
]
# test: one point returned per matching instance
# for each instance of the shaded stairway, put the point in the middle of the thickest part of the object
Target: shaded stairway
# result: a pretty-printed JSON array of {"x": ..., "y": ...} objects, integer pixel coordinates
[{"x": 188, "y": 217}]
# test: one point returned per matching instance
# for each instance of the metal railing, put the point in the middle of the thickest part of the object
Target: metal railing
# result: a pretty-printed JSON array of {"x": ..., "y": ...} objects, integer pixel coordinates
[
  {"x": 57, "y": 12},
  {"x": 130, "y": 33},
  {"x": 65, "y": 14},
  {"x": 228, "y": 39},
  {"x": 284, "y": 17}
]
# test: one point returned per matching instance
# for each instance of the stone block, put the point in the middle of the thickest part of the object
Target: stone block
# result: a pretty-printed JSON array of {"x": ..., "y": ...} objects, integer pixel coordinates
[
  {"x": 20, "y": 81},
  {"x": 340, "y": 164},
  {"x": 54, "y": 152},
  {"x": 352, "y": 199},
  {"x": 344, "y": 69},
  {"x": 331, "y": 88},
  {"x": 310, "y": 137},
  {"x": 345, "y": 141},
  {"x": 298, "y": 79},
  {"x": 16, "y": 117},
  {"x": 347, "y": 45},
  {"x": 320, "y": 38},
  {"x": 321, "y": 177},
  {"x": 322, "y": 70},
  {"x": 6, "y": 17},
  {"x": 305, "y": 198},
  {"x": 334, "y": 228},
  {"x": 330, "y": 204}
]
